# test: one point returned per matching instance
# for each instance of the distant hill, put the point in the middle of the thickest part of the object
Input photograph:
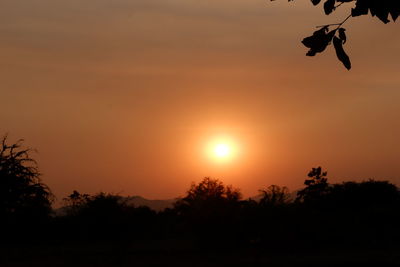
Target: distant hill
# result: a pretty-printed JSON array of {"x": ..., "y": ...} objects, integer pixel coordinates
[{"x": 157, "y": 205}]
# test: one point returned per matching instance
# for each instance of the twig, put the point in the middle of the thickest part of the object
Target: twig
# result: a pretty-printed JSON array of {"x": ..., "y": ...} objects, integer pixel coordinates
[{"x": 335, "y": 24}]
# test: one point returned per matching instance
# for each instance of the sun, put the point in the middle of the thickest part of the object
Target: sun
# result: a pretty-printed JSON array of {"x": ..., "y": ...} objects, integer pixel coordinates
[{"x": 222, "y": 150}]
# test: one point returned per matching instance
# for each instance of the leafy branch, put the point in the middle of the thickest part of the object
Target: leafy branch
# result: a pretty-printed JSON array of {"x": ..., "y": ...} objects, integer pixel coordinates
[{"x": 323, "y": 37}]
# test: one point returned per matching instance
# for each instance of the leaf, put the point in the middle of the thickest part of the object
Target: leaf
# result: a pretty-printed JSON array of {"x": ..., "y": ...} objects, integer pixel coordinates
[
  {"x": 395, "y": 14},
  {"x": 360, "y": 9},
  {"x": 342, "y": 35},
  {"x": 318, "y": 41},
  {"x": 310, "y": 41},
  {"x": 315, "y": 2},
  {"x": 381, "y": 13},
  {"x": 329, "y": 6},
  {"x": 341, "y": 54}
]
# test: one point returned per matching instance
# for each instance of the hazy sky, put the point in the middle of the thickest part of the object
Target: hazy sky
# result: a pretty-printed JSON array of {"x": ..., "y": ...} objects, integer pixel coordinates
[{"x": 125, "y": 96}]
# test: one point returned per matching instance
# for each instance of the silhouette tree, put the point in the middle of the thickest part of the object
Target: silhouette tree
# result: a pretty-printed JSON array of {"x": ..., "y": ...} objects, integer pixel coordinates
[
  {"x": 316, "y": 187},
  {"x": 106, "y": 216},
  {"x": 364, "y": 195},
  {"x": 274, "y": 196},
  {"x": 210, "y": 210},
  {"x": 100, "y": 207},
  {"x": 22, "y": 194},
  {"x": 336, "y": 34},
  {"x": 208, "y": 194},
  {"x": 75, "y": 202}
]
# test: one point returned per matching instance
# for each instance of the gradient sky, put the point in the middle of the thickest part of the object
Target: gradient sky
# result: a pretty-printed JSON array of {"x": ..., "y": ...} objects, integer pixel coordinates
[{"x": 124, "y": 96}]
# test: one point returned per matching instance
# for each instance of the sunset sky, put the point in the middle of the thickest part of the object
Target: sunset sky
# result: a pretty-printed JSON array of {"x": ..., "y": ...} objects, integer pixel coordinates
[{"x": 130, "y": 96}]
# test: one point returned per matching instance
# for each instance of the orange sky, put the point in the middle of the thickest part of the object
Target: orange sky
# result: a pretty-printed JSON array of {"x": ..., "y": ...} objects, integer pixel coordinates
[{"x": 123, "y": 96}]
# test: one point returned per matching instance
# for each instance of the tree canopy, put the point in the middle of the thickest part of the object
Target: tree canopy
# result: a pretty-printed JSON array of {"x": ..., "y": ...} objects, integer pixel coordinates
[{"x": 22, "y": 193}]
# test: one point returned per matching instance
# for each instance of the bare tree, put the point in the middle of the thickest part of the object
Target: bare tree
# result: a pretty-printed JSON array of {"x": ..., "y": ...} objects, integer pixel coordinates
[{"x": 22, "y": 192}]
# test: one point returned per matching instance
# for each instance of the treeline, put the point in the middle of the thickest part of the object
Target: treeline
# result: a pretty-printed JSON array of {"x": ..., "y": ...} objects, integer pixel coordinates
[{"x": 211, "y": 213}]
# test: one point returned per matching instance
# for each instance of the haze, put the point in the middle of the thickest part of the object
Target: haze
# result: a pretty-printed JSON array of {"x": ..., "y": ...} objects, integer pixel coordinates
[{"x": 124, "y": 96}]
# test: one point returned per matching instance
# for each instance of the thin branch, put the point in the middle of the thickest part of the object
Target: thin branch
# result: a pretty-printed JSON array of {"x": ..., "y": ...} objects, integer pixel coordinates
[
  {"x": 343, "y": 3},
  {"x": 335, "y": 24}
]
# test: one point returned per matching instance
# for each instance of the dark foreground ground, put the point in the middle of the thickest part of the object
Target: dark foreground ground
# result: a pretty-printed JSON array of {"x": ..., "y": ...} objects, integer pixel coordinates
[{"x": 177, "y": 253}]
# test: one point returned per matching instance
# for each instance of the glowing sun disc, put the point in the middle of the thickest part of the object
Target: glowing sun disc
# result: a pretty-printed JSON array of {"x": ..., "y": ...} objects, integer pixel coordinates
[{"x": 221, "y": 150}]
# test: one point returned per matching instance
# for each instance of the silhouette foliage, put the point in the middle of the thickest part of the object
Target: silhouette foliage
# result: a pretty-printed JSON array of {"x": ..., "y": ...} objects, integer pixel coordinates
[
  {"x": 210, "y": 195},
  {"x": 274, "y": 196},
  {"x": 22, "y": 194},
  {"x": 322, "y": 38},
  {"x": 104, "y": 217},
  {"x": 210, "y": 209},
  {"x": 316, "y": 187},
  {"x": 210, "y": 215},
  {"x": 75, "y": 202}
]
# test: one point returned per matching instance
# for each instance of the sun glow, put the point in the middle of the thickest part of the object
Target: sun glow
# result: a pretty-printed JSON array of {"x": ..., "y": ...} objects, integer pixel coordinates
[{"x": 222, "y": 150}]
